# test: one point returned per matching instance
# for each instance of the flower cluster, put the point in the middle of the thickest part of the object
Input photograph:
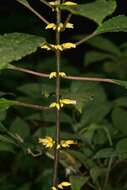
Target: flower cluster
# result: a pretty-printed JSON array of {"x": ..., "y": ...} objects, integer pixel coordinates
[
  {"x": 48, "y": 142},
  {"x": 61, "y": 103},
  {"x": 61, "y": 47},
  {"x": 59, "y": 27},
  {"x": 62, "y": 185},
  {"x": 54, "y": 75}
]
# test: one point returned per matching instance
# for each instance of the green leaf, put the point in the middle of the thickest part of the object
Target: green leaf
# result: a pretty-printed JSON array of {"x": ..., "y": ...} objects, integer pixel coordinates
[
  {"x": 5, "y": 104},
  {"x": 96, "y": 56},
  {"x": 119, "y": 119},
  {"x": 104, "y": 44},
  {"x": 15, "y": 46},
  {"x": 20, "y": 127},
  {"x": 104, "y": 153},
  {"x": 96, "y": 10},
  {"x": 77, "y": 182},
  {"x": 6, "y": 147},
  {"x": 115, "y": 24},
  {"x": 84, "y": 94},
  {"x": 6, "y": 139},
  {"x": 96, "y": 172}
]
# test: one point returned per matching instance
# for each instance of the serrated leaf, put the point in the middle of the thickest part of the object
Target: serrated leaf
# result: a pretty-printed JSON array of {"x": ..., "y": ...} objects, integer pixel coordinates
[
  {"x": 5, "y": 104},
  {"x": 15, "y": 46},
  {"x": 96, "y": 10},
  {"x": 115, "y": 24}
]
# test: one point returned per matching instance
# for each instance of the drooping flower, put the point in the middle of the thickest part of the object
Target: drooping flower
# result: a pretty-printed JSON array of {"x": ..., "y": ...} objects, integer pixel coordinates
[
  {"x": 55, "y": 105},
  {"x": 67, "y": 143},
  {"x": 48, "y": 142},
  {"x": 67, "y": 101},
  {"x": 64, "y": 184},
  {"x": 68, "y": 45},
  {"x": 69, "y": 3}
]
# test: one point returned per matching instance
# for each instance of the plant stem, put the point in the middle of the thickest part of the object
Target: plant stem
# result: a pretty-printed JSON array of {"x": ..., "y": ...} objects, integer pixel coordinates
[
  {"x": 94, "y": 79},
  {"x": 34, "y": 106},
  {"x": 12, "y": 67},
  {"x": 108, "y": 173},
  {"x": 34, "y": 11},
  {"x": 66, "y": 21},
  {"x": 44, "y": 75},
  {"x": 86, "y": 38},
  {"x": 58, "y": 60}
]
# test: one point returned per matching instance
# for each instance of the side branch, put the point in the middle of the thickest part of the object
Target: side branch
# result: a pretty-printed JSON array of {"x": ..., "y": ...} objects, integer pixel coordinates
[
  {"x": 33, "y": 106},
  {"x": 44, "y": 75},
  {"x": 38, "y": 74},
  {"x": 86, "y": 38},
  {"x": 34, "y": 11}
]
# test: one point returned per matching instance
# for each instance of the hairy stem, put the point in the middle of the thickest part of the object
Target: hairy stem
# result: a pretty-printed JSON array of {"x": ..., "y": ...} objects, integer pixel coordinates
[{"x": 58, "y": 60}]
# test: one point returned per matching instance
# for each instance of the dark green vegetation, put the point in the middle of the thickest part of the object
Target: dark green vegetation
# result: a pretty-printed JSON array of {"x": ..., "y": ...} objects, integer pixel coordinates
[{"x": 99, "y": 119}]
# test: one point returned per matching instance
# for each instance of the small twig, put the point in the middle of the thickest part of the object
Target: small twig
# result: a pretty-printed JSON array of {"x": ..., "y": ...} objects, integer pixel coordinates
[
  {"x": 66, "y": 21},
  {"x": 34, "y": 106},
  {"x": 28, "y": 71},
  {"x": 94, "y": 79},
  {"x": 35, "y": 12},
  {"x": 46, "y": 3},
  {"x": 86, "y": 38}
]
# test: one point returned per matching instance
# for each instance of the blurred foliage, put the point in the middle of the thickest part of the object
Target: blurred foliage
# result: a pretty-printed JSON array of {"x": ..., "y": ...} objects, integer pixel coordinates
[{"x": 98, "y": 122}]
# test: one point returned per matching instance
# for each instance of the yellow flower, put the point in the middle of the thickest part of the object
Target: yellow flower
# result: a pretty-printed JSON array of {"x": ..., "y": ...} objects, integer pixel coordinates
[
  {"x": 64, "y": 184},
  {"x": 53, "y": 188},
  {"x": 67, "y": 143},
  {"x": 53, "y": 3},
  {"x": 67, "y": 101},
  {"x": 68, "y": 45},
  {"x": 55, "y": 105},
  {"x": 69, "y": 3},
  {"x": 45, "y": 46},
  {"x": 54, "y": 75},
  {"x": 69, "y": 25},
  {"x": 47, "y": 142},
  {"x": 51, "y": 26}
]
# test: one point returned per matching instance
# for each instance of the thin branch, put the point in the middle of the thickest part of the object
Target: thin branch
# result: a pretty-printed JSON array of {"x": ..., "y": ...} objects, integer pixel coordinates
[
  {"x": 58, "y": 61},
  {"x": 46, "y": 3},
  {"x": 44, "y": 75},
  {"x": 35, "y": 12},
  {"x": 33, "y": 106},
  {"x": 86, "y": 38},
  {"x": 66, "y": 21},
  {"x": 12, "y": 67},
  {"x": 94, "y": 79}
]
